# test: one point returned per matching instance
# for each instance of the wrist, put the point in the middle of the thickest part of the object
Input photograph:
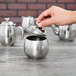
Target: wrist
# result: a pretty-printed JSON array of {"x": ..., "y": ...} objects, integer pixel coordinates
[{"x": 73, "y": 16}]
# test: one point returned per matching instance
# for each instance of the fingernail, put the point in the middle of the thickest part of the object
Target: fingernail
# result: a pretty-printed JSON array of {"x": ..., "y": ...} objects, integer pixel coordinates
[
  {"x": 40, "y": 25},
  {"x": 38, "y": 21}
]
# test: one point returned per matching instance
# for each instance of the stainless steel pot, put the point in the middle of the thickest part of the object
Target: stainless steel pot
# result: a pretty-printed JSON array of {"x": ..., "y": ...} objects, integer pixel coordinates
[
  {"x": 8, "y": 32},
  {"x": 66, "y": 32},
  {"x": 36, "y": 47},
  {"x": 27, "y": 22}
]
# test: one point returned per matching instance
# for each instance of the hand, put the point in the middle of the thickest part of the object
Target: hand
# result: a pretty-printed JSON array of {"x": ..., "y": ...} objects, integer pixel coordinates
[{"x": 56, "y": 15}]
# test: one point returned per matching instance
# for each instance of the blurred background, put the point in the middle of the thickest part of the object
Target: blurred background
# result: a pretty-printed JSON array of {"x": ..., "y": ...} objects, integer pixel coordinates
[{"x": 15, "y": 9}]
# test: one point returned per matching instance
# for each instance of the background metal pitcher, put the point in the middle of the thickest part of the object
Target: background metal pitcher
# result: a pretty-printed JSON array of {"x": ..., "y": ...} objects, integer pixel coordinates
[
  {"x": 8, "y": 31},
  {"x": 66, "y": 32}
]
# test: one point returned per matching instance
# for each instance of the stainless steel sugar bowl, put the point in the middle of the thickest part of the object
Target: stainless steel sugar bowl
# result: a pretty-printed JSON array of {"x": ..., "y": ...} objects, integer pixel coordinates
[{"x": 36, "y": 47}]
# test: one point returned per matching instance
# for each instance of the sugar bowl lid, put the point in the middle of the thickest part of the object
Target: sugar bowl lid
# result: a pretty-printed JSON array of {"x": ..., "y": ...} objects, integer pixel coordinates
[{"x": 36, "y": 30}]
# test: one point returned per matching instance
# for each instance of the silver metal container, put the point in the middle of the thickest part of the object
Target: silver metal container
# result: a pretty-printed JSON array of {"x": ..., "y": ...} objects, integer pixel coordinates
[
  {"x": 27, "y": 22},
  {"x": 66, "y": 32},
  {"x": 8, "y": 32},
  {"x": 36, "y": 47}
]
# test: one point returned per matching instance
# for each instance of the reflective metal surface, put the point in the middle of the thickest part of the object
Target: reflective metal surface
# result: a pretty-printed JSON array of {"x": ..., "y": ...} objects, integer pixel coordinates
[
  {"x": 8, "y": 32},
  {"x": 36, "y": 30},
  {"x": 27, "y": 22},
  {"x": 36, "y": 47},
  {"x": 66, "y": 32}
]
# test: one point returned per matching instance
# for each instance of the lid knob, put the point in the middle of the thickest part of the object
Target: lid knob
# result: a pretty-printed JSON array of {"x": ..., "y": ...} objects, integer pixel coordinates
[{"x": 7, "y": 19}]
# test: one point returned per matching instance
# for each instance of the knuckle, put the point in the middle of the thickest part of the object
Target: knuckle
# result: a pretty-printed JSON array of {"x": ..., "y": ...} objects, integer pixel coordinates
[{"x": 53, "y": 7}]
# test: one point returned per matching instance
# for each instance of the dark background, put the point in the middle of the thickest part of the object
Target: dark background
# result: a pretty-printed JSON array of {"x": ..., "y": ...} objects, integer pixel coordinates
[{"x": 17, "y": 8}]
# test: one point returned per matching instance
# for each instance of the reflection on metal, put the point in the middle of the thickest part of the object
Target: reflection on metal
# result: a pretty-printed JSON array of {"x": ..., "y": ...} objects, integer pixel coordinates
[
  {"x": 66, "y": 32},
  {"x": 36, "y": 47},
  {"x": 8, "y": 31}
]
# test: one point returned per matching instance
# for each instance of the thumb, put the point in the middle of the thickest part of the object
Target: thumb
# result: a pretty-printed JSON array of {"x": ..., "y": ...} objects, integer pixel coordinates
[{"x": 46, "y": 22}]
